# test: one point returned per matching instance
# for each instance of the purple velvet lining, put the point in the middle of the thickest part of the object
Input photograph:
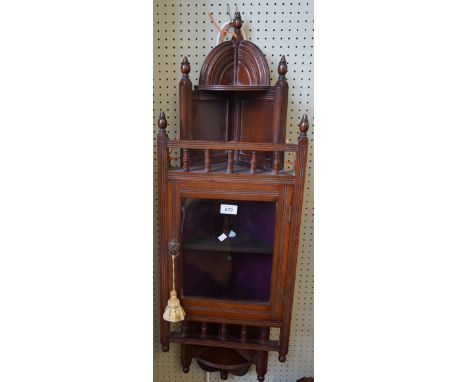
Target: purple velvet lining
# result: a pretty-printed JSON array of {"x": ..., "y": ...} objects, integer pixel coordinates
[{"x": 238, "y": 268}]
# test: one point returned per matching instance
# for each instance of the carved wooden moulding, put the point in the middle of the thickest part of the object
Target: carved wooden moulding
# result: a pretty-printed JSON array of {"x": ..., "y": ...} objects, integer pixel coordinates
[
  {"x": 233, "y": 212},
  {"x": 236, "y": 62}
]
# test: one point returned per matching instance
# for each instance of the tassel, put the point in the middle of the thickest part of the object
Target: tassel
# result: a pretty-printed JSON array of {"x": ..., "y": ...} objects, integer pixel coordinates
[{"x": 174, "y": 311}]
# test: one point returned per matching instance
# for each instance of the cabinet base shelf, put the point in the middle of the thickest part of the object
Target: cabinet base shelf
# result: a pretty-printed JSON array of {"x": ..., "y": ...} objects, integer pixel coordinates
[{"x": 190, "y": 340}]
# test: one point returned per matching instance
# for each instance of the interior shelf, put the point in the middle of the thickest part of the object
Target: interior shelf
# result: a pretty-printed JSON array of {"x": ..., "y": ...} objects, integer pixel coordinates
[{"x": 241, "y": 244}]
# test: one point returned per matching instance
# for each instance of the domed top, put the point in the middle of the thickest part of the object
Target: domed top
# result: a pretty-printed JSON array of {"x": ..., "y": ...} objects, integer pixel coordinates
[{"x": 235, "y": 63}]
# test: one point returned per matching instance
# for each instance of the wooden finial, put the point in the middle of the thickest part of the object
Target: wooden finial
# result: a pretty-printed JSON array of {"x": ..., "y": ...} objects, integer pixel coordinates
[
  {"x": 282, "y": 67},
  {"x": 185, "y": 68},
  {"x": 162, "y": 123},
  {"x": 304, "y": 126},
  {"x": 237, "y": 23}
]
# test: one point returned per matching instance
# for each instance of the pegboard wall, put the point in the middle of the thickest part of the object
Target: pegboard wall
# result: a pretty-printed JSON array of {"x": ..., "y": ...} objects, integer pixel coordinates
[{"x": 183, "y": 28}]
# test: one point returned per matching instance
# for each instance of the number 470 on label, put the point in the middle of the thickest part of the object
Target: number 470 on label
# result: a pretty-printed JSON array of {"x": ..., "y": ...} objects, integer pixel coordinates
[{"x": 228, "y": 209}]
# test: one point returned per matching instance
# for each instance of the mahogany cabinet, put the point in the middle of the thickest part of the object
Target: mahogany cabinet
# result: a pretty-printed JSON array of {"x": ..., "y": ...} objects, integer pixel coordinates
[{"x": 229, "y": 213}]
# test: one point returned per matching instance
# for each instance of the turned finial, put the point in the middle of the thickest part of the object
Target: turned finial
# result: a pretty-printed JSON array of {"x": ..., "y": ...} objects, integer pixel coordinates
[
  {"x": 304, "y": 126},
  {"x": 237, "y": 23},
  {"x": 185, "y": 68},
  {"x": 162, "y": 123},
  {"x": 282, "y": 67}
]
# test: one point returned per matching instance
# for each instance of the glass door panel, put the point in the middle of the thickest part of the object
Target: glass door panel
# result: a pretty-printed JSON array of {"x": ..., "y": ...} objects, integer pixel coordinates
[{"x": 227, "y": 249}]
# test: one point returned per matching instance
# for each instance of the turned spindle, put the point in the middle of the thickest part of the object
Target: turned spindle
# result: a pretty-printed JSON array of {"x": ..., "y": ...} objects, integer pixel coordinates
[
  {"x": 253, "y": 162},
  {"x": 243, "y": 333},
  {"x": 223, "y": 334},
  {"x": 204, "y": 330},
  {"x": 207, "y": 160},
  {"x": 276, "y": 162},
  {"x": 186, "y": 160},
  {"x": 264, "y": 334},
  {"x": 230, "y": 162}
]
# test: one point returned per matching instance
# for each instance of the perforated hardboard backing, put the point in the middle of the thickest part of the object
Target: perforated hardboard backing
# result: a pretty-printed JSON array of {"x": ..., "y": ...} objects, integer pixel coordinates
[{"x": 183, "y": 28}]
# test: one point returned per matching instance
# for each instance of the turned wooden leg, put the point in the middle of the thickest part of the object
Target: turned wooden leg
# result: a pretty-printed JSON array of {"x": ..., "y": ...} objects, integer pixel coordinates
[
  {"x": 261, "y": 365},
  {"x": 224, "y": 374},
  {"x": 284, "y": 339},
  {"x": 185, "y": 357},
  {"x": 165, "y": 331}
]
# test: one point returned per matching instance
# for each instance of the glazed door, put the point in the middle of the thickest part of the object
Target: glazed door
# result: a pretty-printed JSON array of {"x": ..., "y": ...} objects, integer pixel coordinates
[{"x": 232, "y": 249}]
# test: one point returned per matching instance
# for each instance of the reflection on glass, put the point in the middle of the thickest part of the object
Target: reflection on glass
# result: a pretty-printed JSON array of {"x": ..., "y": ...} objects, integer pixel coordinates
[{"x": 227, "y": 249}]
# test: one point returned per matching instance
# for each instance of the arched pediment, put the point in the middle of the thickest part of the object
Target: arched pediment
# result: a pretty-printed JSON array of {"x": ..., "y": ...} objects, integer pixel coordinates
[{"x": 235, "y": 63}]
